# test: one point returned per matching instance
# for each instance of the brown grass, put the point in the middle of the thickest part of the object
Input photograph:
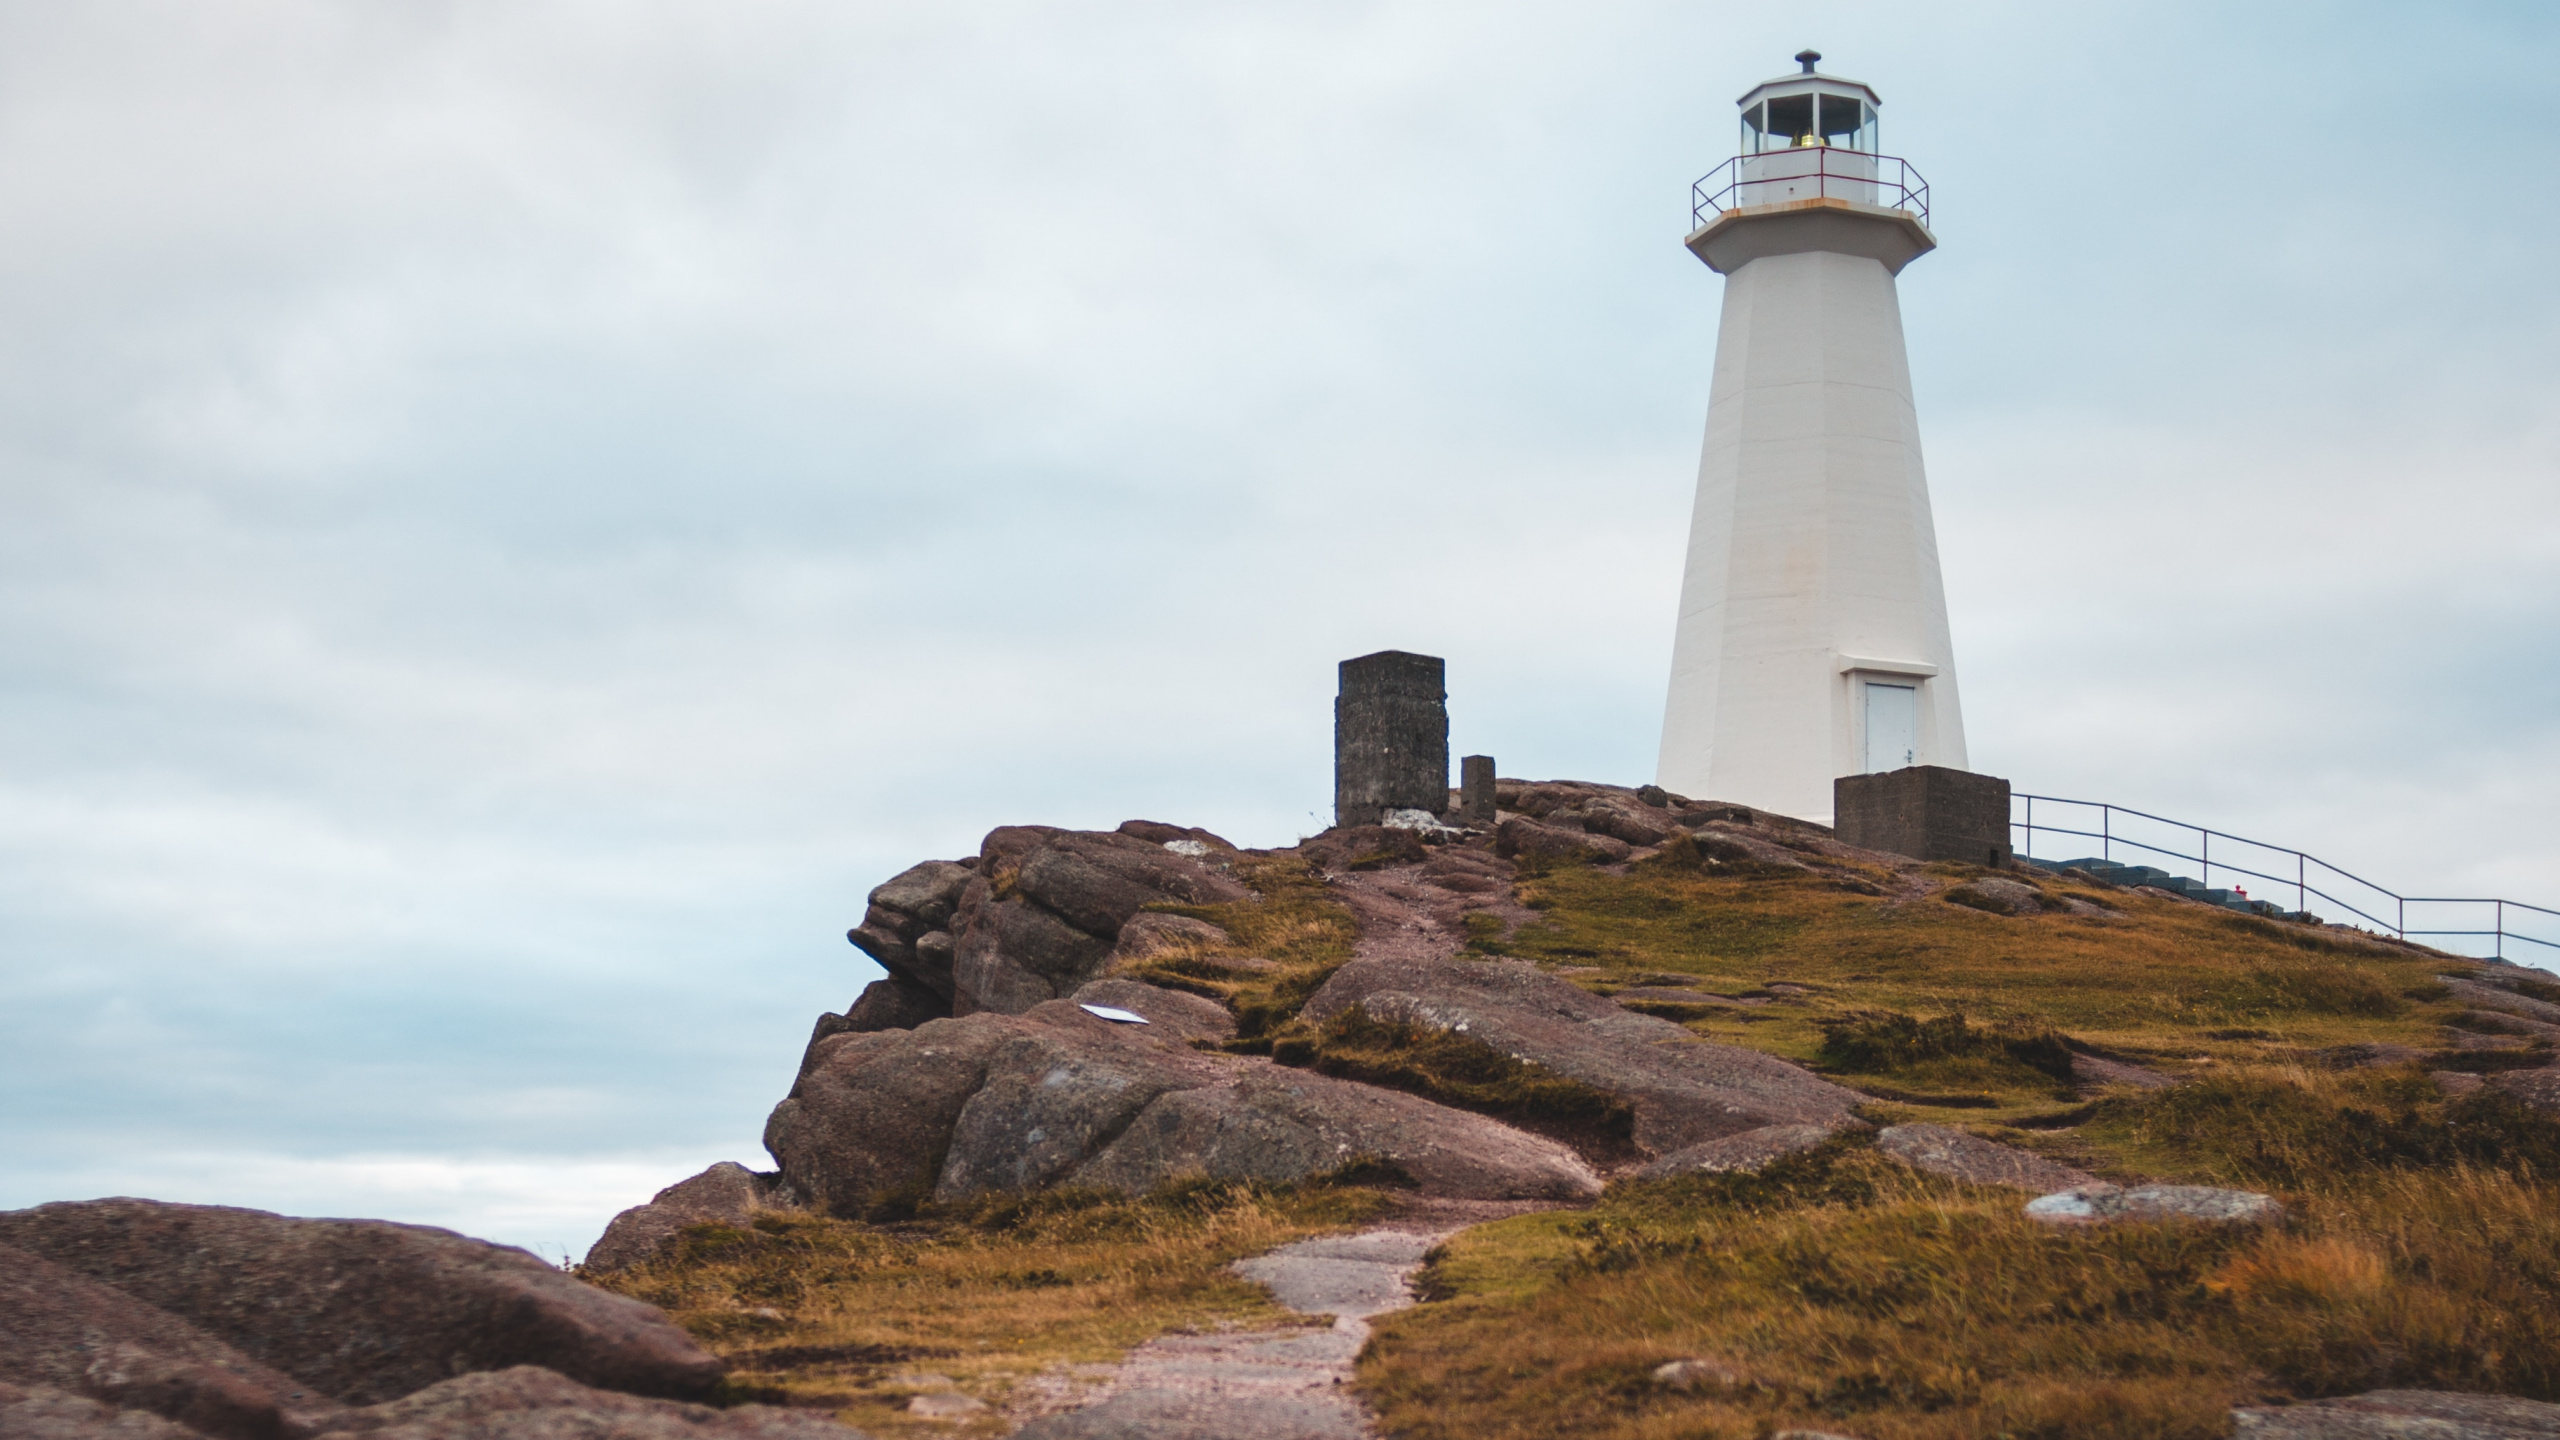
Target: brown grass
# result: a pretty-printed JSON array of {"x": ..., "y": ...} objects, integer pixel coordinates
[
  {"x": 1854, "y": 1294},
  {"x": 832, "y": 1313}
]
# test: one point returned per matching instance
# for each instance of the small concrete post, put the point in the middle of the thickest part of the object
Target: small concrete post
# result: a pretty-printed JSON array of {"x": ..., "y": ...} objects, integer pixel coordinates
[
  {"x": 1390, "y": 737},
  {"x": 1475, "y": 790}
]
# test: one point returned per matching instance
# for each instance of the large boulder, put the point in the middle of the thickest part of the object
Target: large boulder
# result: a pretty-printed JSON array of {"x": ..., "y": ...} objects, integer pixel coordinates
[
  {"x": 1055, "y": 1095},
  {"x": 727, "y": 1192},
  {"x": 905, "y": 912},
  {"x": 1279, "y": 1125},
  {"x": 1684, "y": 1090},
  {"x": 529, "y": 1403},
  {"x": 59, "y": 1328},
  {"x": 1059, "y": 1096},
  {"x": 894, "y": 1003},
  {"x": 1046, "y": 907},
  {"x": 872, "y": 1113},
  {"x": 363, "y": 1310}
]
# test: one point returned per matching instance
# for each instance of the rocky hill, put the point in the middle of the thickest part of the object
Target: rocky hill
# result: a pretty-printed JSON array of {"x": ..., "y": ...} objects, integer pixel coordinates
[{"x": 1675, "y": 1118}]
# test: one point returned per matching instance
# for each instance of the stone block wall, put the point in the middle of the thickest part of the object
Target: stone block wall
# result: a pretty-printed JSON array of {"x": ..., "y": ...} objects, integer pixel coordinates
[{"x": 1927, "y": 812}]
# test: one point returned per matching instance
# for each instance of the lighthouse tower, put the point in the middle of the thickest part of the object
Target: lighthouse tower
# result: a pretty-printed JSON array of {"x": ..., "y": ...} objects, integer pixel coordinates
[{"x": 1813, "y": 627}]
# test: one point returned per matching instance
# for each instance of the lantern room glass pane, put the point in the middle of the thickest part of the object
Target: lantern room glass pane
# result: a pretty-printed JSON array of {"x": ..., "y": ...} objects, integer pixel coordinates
[{"x": 1790, "y": 120}]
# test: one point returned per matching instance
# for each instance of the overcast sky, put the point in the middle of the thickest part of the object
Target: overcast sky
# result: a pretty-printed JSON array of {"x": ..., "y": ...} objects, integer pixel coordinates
[{"x": 514, "y": 515}]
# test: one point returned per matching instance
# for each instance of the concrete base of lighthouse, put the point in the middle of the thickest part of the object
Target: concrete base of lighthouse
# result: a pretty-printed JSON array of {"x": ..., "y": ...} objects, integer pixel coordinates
[{"x": 1812, "y": 639}]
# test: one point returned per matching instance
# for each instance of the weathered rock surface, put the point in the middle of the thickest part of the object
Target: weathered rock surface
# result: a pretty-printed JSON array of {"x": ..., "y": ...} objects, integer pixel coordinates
[
  {"x": 42, "y": 1412},
  {"x": 363, "y": 1310},
  {"x": 1952, "y": 1153},
  {"x": 1183, "y": 1017},
  {"x": 2489, "y": 991},
  {"x": 62, "y": 1329},
  {"x": 529, "y": 1403},
  {"x": 727, "y": 1192},
  {"x": 892, "y": 1003},
  {"x": 872, "y": 1114},
  {"x": 2537, "y": 1088},
  {"x": 1057, "y": 1096},
  {"x": 1684, "y": 1090},
  {"x": 2203, "y": 1204},
  {"x": 918, "y": 901},
  {"x": 1280, "y": 1124},
  {"x": 2403, "y": 1415},
  {"x": 1517, "y": 836},
  {"x": 1146, "y": 937},
  {"x": 1048, "y": 906},
  {"x": 1750, "y": 1150}
]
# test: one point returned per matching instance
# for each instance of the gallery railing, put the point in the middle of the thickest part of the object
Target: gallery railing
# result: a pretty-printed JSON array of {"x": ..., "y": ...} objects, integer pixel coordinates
[
  {"x": 2126, "y": 836},
  {"x": 1776, "y": 177}
]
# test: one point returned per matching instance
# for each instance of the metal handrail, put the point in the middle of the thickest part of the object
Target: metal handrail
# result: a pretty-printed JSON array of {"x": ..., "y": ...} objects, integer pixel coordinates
[
  {"x": 2301, "y": 882},
  {"x": 1902, "y": 184}
]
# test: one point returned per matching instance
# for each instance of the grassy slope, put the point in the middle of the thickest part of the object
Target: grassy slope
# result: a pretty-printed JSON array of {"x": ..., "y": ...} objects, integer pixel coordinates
[
  {"x": 839, "y": 1313},
  {"x": 1843, "y": 1291},
  {"x": 1840, "y": 1290}
]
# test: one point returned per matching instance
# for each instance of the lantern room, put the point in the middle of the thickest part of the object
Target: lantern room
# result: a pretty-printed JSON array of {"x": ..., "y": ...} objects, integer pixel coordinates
[{"x": 1809, "y": 109}]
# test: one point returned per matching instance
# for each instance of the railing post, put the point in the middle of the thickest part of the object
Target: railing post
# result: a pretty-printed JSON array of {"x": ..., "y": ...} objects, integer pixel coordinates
[
  {"x": 2106, "y": 833},
  {"x": 2301, "y": 883},
  {"x": 2031, "y": 827}
]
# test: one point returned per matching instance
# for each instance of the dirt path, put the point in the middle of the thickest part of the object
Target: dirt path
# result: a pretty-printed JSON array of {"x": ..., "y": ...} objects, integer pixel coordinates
[{"x": 1276, "y": 1384}]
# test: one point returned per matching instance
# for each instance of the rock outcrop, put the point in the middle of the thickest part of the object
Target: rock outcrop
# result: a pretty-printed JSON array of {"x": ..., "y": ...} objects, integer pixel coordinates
[
  {"x": 727, "y": 1192},
  {"x": 1032, "y": 917},
  {"x": 363, "y": 1311},
  {"x": 1058, "y": 1096},
  {"x": 63, "y": 1330},
  {"x": 1684, "y": 1090},
  {"x": 530, "y": 1403}
]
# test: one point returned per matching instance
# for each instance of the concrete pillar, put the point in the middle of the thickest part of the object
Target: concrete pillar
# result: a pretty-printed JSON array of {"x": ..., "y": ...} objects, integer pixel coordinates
[
  {"x": 1390, "y": 737},
  {"x": 1475, "y": 790}
]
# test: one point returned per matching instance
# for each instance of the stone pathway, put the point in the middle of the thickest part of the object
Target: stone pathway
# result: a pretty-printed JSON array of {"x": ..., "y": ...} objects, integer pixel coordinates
[{"x": 1276, "y": 1384}]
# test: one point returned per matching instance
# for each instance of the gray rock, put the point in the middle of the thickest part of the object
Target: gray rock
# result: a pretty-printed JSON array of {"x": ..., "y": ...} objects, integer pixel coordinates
[
  {"x": 41, "y": 1412},
  {"x": 916, "y": 902},
  {"x": 363, "y": 1310},
  {"x": 2403, "y": 1415},
  {"x": 873, "y": 1114},
  {"x": 1749, "y": 1151},
  {"x": 1627, "y": 819},
  {"x": 2537, "y": 1088},
  {"x": 1698, "y": 1376},
  {"x": 1098, "y": 882},
  {"x": 1277, "y": 1124},
  {"x": 61, "y": 1329},
  {"x": 1147, "y": 936},
  {"x": 727, "y": 1192},
  {"x": 1051, "y": 1099},
  {"x": 2090, "y": 1072},
  {"x": 2204, "y": 1204},
  {"x": 1952, "y": 1153},
  {"x": 1179, "y": 1016},
  {"x": 1519, "y": 836},
  {"x": 529, "y": 1403},
  {"x": 894, "y": 1003},
  {"x": 2488, "y": 995},
  {"x": 1011, "y": 954},
  {"x": 1684, "y": 1090}
]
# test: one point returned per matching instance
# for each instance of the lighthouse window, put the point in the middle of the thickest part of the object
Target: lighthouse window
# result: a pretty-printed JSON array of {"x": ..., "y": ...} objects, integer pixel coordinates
[{"x": 1790, "y": 120}]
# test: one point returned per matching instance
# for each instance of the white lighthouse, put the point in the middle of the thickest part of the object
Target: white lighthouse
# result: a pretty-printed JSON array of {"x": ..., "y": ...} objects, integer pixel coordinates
[{"x": 1813, "y": 626}]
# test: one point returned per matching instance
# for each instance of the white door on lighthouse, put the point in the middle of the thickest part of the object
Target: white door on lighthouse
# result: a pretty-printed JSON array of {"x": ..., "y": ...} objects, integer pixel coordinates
[{"x": 1893, "y": 726}]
